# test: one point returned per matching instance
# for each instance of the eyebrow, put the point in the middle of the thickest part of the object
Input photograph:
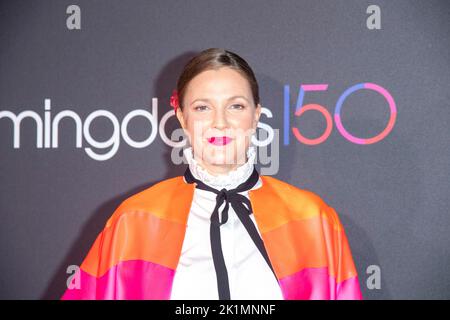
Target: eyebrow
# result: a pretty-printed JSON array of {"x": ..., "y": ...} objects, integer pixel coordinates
[{"x": 230, "y": 98}]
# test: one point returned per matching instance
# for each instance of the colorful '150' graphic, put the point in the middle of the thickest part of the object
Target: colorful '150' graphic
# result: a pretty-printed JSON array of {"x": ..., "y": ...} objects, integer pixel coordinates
[{"x": 300, "y": 109}]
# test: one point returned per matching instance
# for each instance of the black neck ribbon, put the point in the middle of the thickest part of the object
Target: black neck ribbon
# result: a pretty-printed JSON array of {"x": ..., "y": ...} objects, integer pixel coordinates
[{"x": 243, "y": 209}]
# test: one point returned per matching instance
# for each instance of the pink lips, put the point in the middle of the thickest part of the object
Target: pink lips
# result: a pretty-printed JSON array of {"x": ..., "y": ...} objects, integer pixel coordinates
[{"x": 219, "y": 141}]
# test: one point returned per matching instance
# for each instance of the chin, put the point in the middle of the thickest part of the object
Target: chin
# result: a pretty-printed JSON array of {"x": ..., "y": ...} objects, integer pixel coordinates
[{"x": 221, "y": 158}]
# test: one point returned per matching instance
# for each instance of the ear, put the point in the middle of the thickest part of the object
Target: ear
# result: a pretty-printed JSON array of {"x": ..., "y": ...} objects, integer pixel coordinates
[
  {"x": 181, "y": 119},
  {"x": 257, "y": 115}
]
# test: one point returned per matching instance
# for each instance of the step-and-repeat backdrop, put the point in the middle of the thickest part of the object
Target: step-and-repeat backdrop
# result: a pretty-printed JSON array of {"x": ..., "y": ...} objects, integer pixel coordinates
[{"x": 355, "y": 98}]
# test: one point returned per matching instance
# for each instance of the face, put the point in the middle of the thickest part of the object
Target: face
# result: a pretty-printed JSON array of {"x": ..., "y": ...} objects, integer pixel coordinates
[{"x": 219, "y": 118}]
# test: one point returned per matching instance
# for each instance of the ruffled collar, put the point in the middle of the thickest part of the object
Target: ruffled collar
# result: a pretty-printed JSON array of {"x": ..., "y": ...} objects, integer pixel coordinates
[{"x": 228, "y": 181}]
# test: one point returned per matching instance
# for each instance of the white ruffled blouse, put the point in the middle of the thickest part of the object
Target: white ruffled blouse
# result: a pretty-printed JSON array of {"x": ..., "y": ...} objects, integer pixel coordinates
[{"x": 250, "y": 277}]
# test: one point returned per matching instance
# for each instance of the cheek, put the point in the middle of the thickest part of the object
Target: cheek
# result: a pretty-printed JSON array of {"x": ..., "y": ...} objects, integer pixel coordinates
[
  {"x": 243, "y": 127},
  {"x": 243, "y": 121},
  {"x": 197, "y": 128}
]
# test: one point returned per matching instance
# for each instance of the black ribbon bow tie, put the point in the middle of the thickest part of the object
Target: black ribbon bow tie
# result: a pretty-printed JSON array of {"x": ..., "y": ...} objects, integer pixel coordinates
[{"x": 243, "y": 209}]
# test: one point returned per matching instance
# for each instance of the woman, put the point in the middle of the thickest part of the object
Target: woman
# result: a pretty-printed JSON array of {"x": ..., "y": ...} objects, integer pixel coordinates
[{"x": 221, "y": 231}]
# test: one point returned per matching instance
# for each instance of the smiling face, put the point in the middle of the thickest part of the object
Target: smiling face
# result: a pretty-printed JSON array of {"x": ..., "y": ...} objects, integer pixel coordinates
[{"x": 219, "y": 117}]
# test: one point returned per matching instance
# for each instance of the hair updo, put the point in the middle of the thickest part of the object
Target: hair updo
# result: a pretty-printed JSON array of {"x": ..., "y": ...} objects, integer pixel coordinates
[{"x": 213, "y": 59}]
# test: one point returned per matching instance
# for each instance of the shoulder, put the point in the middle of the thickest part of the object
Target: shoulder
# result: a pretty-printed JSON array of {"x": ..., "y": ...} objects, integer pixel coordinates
[
  {"x": 288, "y": 192},
  {"x": 152, "y": 199},
  {"x": 301, "y": 203},
  {"x": 164, "y": 188}
]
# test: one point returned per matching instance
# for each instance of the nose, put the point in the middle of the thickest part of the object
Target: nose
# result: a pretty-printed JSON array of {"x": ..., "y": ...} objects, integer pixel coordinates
[{"x": 220, "y": 120}]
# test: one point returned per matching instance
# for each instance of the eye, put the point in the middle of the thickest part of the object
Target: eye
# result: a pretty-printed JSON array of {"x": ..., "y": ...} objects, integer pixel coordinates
[
  {"x": 237, "y": 106},
  {"x": 200, "y": 108}
]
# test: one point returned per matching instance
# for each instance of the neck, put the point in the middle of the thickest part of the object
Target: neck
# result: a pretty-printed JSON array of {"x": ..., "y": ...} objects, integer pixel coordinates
[{"x": 221, "y": 176}]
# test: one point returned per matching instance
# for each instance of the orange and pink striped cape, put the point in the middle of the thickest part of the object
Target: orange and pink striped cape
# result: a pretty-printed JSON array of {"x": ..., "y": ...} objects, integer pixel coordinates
[{"x": 137, "y": 253}]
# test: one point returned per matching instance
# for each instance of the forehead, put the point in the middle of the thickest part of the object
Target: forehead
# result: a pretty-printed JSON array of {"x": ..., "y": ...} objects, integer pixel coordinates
[{"x": 223, "y": 81}]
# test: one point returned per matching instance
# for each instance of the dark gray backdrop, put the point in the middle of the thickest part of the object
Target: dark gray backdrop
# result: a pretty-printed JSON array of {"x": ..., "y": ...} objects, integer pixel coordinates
[{"x": 392, "y": 196}]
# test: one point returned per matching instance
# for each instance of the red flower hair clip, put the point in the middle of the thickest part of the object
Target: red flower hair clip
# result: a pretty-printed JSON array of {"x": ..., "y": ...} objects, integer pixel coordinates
[{"x": 174, "y": 100}]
